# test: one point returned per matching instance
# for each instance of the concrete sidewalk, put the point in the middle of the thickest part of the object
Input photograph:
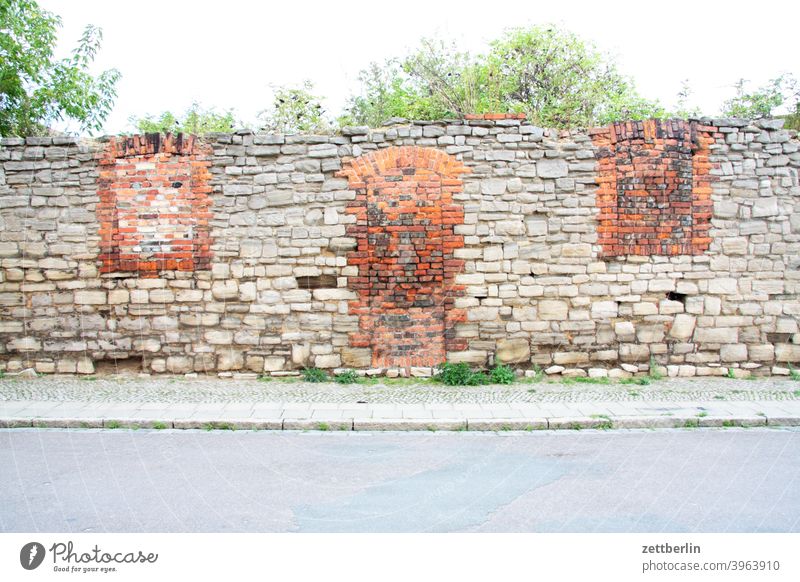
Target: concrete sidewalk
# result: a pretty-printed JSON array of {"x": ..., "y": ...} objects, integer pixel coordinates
[{"x": 212, "y": 403}]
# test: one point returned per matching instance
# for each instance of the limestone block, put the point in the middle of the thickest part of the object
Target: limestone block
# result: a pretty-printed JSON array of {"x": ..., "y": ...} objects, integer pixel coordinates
[
  {"x": 179, "y": 364},
  {"x": 301, "y": 354},
  {"x": 761, "y": 352},
  {"x": 328, "y": 361},
  {"x": 274, "y": 363},
  {"x": 222, "y": 290},
  {"x": 604, "y": 309},
  {"x": 90, "y": 297},
  {"x": 576, "y": 250},
  {"x": 468, "y": 356},
  {"x": 85, "y": 366},
  {"x": 118, "y": 296},
  {"x": 683, "y": 326},
  {"x": 733, "y": 353},
  {"x": 553, "y": 310},
  {"x": 716, "y": 335},
  {"x": 356, "y": 357},
  {"x": 493, "y": 186},
  {"x": 650, "y": 334},
  {"x": 787, "y": 353},
  {"x": 162, "y": 296},
  {"x": 571, "y": 358},
  {"x": 722, "y": 286},
  {"x": 219, "y": 336},
  {"x": 230, "y": 360},
  {"x": 514, "y": 351},
  {"x": 551, "y": 168}
]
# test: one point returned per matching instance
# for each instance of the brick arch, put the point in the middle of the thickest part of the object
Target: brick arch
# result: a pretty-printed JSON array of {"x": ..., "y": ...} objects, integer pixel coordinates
[{"x": 405, "y": 242}]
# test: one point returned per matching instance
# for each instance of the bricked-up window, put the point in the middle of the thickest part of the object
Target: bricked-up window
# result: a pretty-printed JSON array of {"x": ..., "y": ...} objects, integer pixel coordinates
[
  {"x": 404, "y": 229},
  {"x": 654, "y": 192},
  {"x": 154, "y": 207}
]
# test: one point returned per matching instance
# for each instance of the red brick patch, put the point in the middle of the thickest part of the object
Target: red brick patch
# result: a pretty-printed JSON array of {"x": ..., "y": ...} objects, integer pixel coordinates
[
  {"x": 654, "y": 192},
  {"x": 405, "y": 218},
  {"x": 154, "y": 204}
]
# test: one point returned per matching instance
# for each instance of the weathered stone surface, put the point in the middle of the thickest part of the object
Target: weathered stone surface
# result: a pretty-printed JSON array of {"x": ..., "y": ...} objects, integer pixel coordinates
[
  {"x": 553, "y": 310},
  {"x": 683, "y": 326},
  {"x": 513, "y": 351},
  {"x": 551, "y": 168}
]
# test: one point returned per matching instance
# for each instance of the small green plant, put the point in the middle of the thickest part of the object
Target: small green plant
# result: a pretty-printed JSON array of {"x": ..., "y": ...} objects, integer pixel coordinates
[
  {"x": 584, "y": 380},
  {"x": 702, "y": 414},
  {"x": 794, "y": 374},
  {"x": 323, "y": 426},
  {"x": 731, "y": 374},
  {"x": 538, "y": 375},
  {"x": 728, "y": 423},
  {"x": 605, "y": 422},
  {"x": 88, "y": 378},
  {"x": 459, "y": 375},
  {"x": 113, "y": 424},
  {"x": 691, "y": 423},
  {"x": 720, "y": 397},
  {"x": 654, "y": 373},
  {"x": 158, "y": 425},
  {"x": 347, "y": 377},
  {"x": 638, "y": 380},
  {"x": 501, "y": 374},
  {"x": 796, "y": 393},
  {"x": 315, "y": 375}
]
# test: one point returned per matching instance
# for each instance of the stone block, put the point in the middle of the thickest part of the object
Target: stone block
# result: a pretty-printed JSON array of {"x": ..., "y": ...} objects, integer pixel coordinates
[
  {"x": 683, "y": 326},
  {"x": 553, "y": 310},
  {"x": 513, "y": 351},
  {"x": 551, "y": 168},
  {"x": 733, "y": 353},
  {"x": 356, "y": 357}
]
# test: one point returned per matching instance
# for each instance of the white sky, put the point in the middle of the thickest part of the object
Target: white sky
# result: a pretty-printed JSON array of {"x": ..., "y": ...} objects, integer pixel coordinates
[{"x": 228, "y": 53}]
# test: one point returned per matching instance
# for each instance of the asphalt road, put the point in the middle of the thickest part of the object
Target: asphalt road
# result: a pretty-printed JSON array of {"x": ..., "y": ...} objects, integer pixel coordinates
[{"x": 733, "y": 480}]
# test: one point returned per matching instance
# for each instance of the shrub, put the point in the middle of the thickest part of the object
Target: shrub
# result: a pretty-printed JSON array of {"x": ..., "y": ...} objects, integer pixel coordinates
[
  {"x": 459, "y": 375},
  {"x": 346, "y": 377},
  {"x": 314, "y": 375},
  {"x": 502, "y": 375}
]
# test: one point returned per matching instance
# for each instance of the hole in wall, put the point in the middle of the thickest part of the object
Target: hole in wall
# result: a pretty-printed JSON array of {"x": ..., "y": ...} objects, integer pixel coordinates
[
  {"x": 675, "y": 296},
  {"x": 318, "y": 282},
  {"x": 129, "y": 365}
]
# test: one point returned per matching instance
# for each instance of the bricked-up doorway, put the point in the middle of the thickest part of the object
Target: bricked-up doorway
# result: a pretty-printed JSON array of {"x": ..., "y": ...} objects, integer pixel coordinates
[{"x": 405, "y": 243}]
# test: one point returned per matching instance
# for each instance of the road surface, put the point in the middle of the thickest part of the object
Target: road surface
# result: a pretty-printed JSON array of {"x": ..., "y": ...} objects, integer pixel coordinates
[{"x": 734, "y": 480}]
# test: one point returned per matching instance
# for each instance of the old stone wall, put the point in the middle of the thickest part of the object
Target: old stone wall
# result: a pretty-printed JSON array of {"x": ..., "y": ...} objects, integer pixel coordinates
[{"x": 479, "y": 240}]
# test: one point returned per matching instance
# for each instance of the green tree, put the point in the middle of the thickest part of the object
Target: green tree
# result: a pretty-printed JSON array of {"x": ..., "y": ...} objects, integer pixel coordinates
[
  {"x": 35, "y": 88},
  {"x": 556, "y": 78},
  {"x": 763, "y": 101},
  {"x": 196, "y": 120},
  {"x": 295, "y": 110},
  {"x": 387, "y": 91},
  {"x": 560, "y": 80}
]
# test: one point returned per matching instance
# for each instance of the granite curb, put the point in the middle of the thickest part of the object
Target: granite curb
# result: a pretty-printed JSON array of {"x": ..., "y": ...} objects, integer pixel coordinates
[{"x": 604, "y": 422}]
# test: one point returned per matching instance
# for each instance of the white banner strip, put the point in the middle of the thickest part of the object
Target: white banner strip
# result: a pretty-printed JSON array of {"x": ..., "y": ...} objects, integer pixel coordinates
[{"x": 400, "y": 557}]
